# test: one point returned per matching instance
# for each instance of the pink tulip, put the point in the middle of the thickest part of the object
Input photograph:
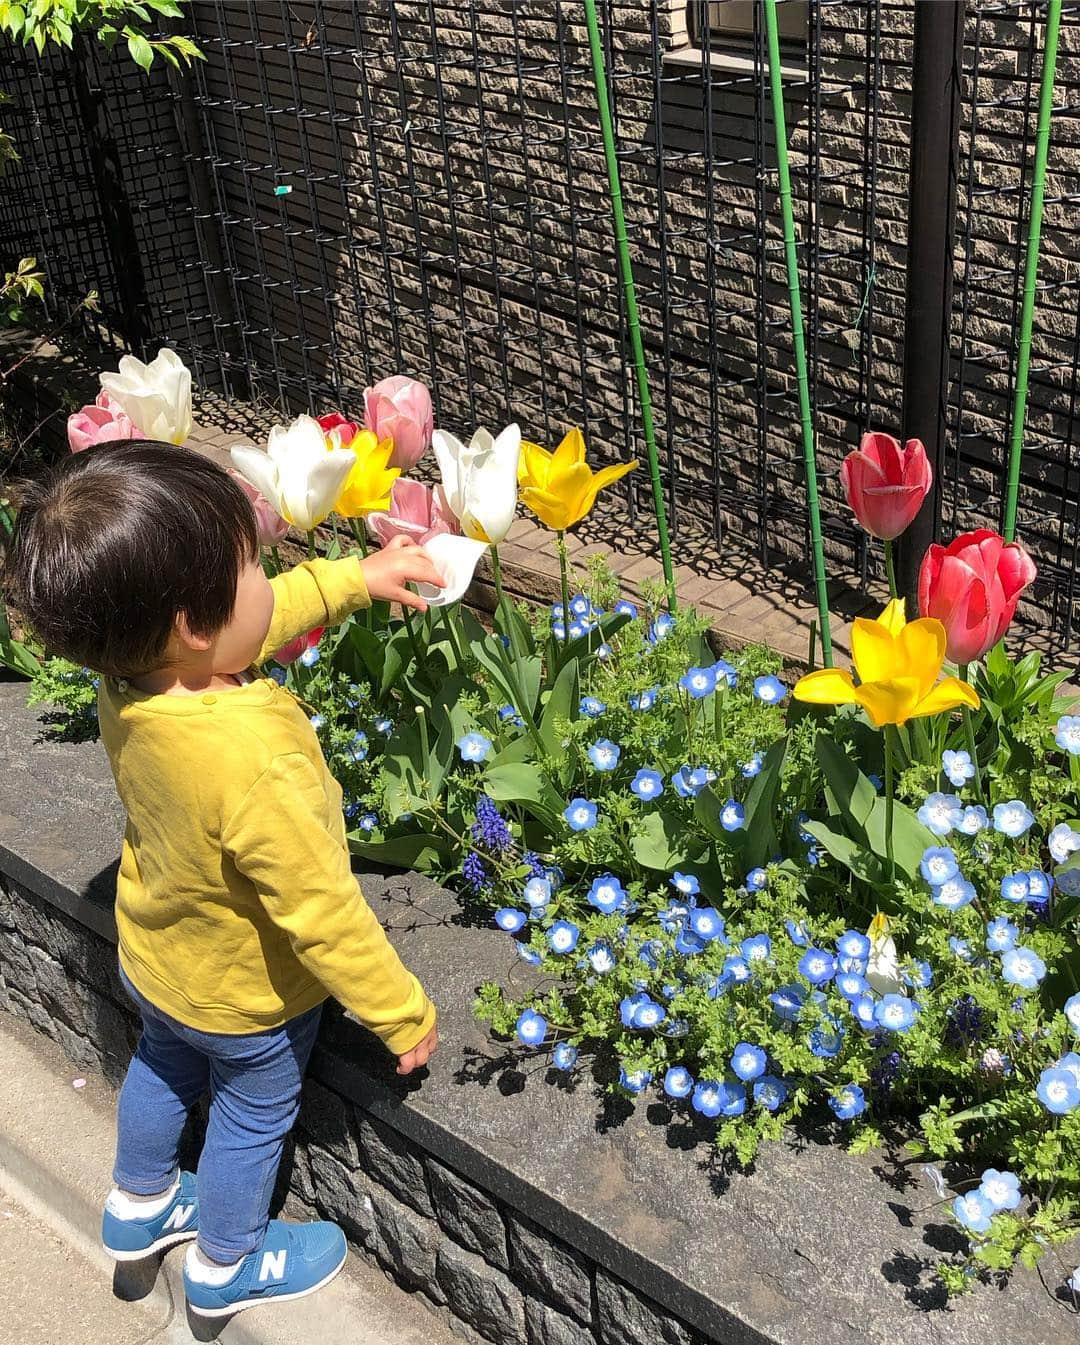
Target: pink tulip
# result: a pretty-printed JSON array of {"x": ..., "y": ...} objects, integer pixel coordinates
[
  {"x": 289, "y": 653},
  {"x": 886, "y": 485},
  {"x": 344, "y": 430},
  {"x": 103, "y": 423},
  {"x": 272, "y": 527},
  {"x": 416, "y": 512},
  {"x": 972, "y": 586},
  {"x": 399, "y": 408}
]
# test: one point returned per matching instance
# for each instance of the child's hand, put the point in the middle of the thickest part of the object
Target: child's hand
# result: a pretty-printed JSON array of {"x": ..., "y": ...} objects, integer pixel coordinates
[
  {"x": 400, "y": 562},
  {"x": 420, "y": 1054}
]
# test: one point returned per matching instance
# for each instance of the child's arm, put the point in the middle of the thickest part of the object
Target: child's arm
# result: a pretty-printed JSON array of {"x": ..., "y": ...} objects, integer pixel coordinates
[
  {"x": 324, "y": 592},
  {"x": 277, "y": 837}
]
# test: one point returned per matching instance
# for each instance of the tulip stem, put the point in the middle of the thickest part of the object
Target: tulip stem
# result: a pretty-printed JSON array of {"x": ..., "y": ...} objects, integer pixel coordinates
[
  {"x": 444, "y": 612},
  {"x": 311, "y": 544},
  {"x": 563, "y": 575},
  {"x": 358, "y": 532},
  {"x": 890, "y": 792},
  {"x": 505, "y": 609},
  {"x": 418, "y": 656},
  {"x": 969, "y": 734},
  {"x": 275, "y": 556},
  {"x": 890, "y": 570}
]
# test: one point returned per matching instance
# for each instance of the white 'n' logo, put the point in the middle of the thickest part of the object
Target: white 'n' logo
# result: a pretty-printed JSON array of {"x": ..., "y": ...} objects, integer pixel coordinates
[
  {"x": 273, "y": 1264},
  {"x": 179, "y": 1216}
]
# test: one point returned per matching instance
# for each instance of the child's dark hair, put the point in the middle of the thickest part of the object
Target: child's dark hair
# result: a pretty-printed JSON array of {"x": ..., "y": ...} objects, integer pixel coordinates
[{"x": 116, "y": 541}]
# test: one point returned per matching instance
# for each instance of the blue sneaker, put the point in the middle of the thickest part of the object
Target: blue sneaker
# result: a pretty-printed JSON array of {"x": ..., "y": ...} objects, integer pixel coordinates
[
  {"x": 294, "y": 1261},
  {"x": 132, "y": 1239}
]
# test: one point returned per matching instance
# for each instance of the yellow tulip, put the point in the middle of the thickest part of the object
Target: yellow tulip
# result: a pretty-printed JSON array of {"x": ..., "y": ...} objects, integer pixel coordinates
[
  {"x": 898, "y": 664},
  {"x": 560, "y": 487},
  {"x": 367, "y": 487}
]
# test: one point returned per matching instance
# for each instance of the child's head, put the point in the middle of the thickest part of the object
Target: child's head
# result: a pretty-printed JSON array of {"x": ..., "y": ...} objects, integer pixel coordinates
[{"x": 136, "y": 556}]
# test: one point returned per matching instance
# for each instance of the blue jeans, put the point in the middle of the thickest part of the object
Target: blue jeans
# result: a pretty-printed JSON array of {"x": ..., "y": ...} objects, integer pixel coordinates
[{"x": 254, "y": 1083}]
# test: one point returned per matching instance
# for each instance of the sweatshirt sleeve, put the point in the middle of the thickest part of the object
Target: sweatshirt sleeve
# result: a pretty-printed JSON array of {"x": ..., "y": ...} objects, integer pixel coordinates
[
  {"x": 316, "y": 593},
  {"x": 279, "y": 839}
]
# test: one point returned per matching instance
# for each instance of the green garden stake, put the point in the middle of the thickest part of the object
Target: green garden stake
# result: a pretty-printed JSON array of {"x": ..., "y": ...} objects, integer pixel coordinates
[
  {"x": 1027, "y": 315},
  {"x": 626, "y": 270},
  {"x": 812, "y": 501}
]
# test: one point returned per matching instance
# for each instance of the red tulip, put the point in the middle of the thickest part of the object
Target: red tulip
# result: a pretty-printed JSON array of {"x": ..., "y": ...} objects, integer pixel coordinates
[
  {"x": 972, "y": 586},
  {"x": 346, "y": 430},
  {"x": 886, "y": 484},
  {"x": 288, "y": 653}
]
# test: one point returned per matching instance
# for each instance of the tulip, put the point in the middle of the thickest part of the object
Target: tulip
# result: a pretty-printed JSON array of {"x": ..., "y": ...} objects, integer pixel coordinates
[
  {"x": 399, "y": 408},
  {"x": 337, "y": 425},
  {"x": 298, "y": 474},
  {"x": 898, "y": 664},
  {"x": 883, "y": 965},
  {"x": 156, "y": 396},
  {"x": 289, "y": 653},
  {"x": 415, "y": 512},
  {"x": 560, "y": 487},
  {"x": 972, "y": 587},
  {"x": 368, "y": 485},
  {"x": 455, "y": 559},
  {"x": 886, "y": 485},
  {"x": 479, "y": 481},
  {"x": 103, "y": 423},
  {"x": 272, "y": 527}
]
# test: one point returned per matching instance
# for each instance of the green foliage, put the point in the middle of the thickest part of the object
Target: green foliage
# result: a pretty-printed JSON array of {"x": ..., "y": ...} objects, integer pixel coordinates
[
  {"x": 71, "y": 694},
  {"x": 36, "y": 23}
]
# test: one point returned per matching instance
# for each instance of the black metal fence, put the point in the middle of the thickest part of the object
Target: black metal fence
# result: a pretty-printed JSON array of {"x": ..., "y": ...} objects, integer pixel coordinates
[{"x": 345, "y": 190}]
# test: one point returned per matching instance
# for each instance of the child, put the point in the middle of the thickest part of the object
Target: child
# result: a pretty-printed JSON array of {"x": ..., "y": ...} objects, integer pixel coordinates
[{"x": 236, "y": 907}]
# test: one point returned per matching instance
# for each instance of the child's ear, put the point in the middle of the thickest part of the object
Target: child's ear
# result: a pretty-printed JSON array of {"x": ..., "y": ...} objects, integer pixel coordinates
[{"x": 198, "y": 644}]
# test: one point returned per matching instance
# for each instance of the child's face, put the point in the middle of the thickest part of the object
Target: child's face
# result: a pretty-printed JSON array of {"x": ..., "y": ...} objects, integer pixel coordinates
[{"x": 238, "y": 643}]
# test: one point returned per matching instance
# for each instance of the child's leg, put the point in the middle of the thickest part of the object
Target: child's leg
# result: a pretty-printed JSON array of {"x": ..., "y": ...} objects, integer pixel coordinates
[
  {"x": 254, "y": 1100},
  {"x": 164, "y": 1080}
]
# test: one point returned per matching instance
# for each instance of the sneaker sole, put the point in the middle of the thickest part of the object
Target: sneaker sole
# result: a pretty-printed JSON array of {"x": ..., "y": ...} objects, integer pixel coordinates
[
  {"x": 162, "y": 1245},
  {"x": 268, "y": 1302}
]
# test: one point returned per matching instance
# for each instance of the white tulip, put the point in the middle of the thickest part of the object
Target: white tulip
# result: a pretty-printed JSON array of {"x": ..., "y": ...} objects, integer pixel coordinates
[
  {"x": 455, "y": 559},
  {"x": 156, "y": 397},
  {"x": 480, "y": 481},
  {"x": 300, "y": 476},
  {"x": 883, "y": 968}
]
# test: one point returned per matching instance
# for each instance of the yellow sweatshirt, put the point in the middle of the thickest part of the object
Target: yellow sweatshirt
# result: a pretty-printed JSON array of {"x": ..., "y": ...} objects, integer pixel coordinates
[{"x": 236, "y": 905}]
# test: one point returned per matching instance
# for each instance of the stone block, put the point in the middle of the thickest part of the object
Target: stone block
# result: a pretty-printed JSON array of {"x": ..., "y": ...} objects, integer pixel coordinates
[
  {"x": 389, "y": 1160},
  {"x": 545, "y": 1326},
  {"x": 481, "y": 1295},
  {"x": 342, "y": 1194},
  {"x": 470, "y": 1217},
  {"x": 625, "y": 1317},
  {"x": 327, "y": 1116},
  {"x": 407, "y": 1244},
  {"x": 548, "y": 1267}
]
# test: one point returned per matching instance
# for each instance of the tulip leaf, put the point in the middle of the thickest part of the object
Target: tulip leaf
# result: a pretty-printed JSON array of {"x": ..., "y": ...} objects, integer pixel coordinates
[
  {"x": 419, "y": 850},
  {"x": 527, "y": 787},
  {"x": 397, "y": 655},
  {"x": 488, "y": 651},
  {"x": 848, "y": 792},
  {"x": 910, "y": 837},
  {"x": 562, "y": 703},
  {"x": 660, "y": 841},
  {"x": 520, "y": 749},
  {"x": 360, "y": 655},
  {"x": 759, "y": 830},
  {"x": 862, "y": 862}
]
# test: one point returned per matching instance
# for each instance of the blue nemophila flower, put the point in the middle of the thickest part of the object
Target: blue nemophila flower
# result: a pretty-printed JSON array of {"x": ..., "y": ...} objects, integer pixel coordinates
[
  {"x": 278, "y": 675},
  {"x": 687, "y": 943},
  {"x": 1022, "y": 967},
  {"x": 698, "y": 682},
  {"x": 732, "y": 816},
  {"x": 1014, "y": 887},
  {"x": 563, "y": 936},
  {"x": 826, "y": 1039},
  {"x": 852, "y": 946},
  {"x": 580, "y": 605},
  {"x": 648, "y": 1014},
  {"x": 673, "y": 916},
  {"x": 1068, "y": 880},
  {"x": 788, "y": 1001},
  {"x": 876, "y": 781},
  {"x": 310, "y": 657},
  {"x": 748, "y": 1061},
  {"x": 647, "y": 785},
  {"x": 643, "y": 700},
  {"x": 634, "y": 1080},
  {"x": 384, "y": 725},
  {"x": 601, "y": 957},
  {"x": 708, "y": 1097},
  {"x": 732, "y": 1099},
  {"x": 974, "y": 1211},
  {"x": 507, "y": 712},
  {"x": 368, "y": 821},
  {"x": 688, "y": 781},
  {"x": 686, "y": 883},
  {"x": 919, "y": 975},
  {"x": 735, "y": 971},
  {"x": 351, "y": 808},
  {"x": 628, "y": 1004},
  {"x": 958, "y": 766},
  {"x": 564, "y": 1056},
  {"x": 1012, "y": 819},
  {"x": 509, "y": 919},
  {"x": 817, "y": 965},
  {"x": 756, "y": 880},
  {"x": 678, "y": 1081},
  {"x": 624, "y": 607},
  {"x": 940, "y": 813},
  {"x": 661, "y": 627},
  {"x": 650, "y": 953},
  {"x": 537, "y": 892},
  {"x": 317, "y": 722},
  {"x": 474, "y": 747},
  {"x": 848, "y": 1102},
  {"x": 961, "y": 948},
  {"x": 591, "y": 707},
  {"x": 863, "y": 1010},
  {"x": 531, "y": 1027},
  {"x": 797, "y": 933},
  {"x": 756, "y": 948},
  {"x": 607, "y": 894},
  {"x": 1067, "y": 734},
  {"x": 725, "y": 673},
  {"x": 895, "y": 1013},
  {"x": 851, "y": 984},
  {"x": 529, "y": 955},
  {"x": 577, "y": 630},
  {"x": 1039, "y": 885},
  {"x": 604, "y": 754},
  {"x": 1058, "y": 1088},
  {"x": 973, "y": 820},
  {"x": 1072, "y": 1012},
  {"x": 770, "y": 1092},
  {"x": 1002, "y": 1189},
  {"x": 1001, "y": 935},
  {"x": 581, "y": 815},
  {"x": 938, "y": 865},
  {"x": 954, "y": 894},
  {"x": 769, "y": 689},
  {"x": 706, "y": 922},
  {"x": 604, "y": 651},
  {"x": 1062, "y": 842},
  {"x": 753, "y": 766}
]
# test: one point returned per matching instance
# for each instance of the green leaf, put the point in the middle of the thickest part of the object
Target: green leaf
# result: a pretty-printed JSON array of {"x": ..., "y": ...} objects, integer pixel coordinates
[
  {"x": 660, "y": 841},
  {"x": 583, "y": 648},
  {"x": 862, "y": 862},
  {"x": 141, "y": 52},
  {"x": 396, "y": 656},
  {"x": 420, "y": 851},
  {"x": 526, "y": 786},
  {"x": 910, "y": 837},
  {"x": 562, "y": 703},
  {"x": 760, "y": 841},
  {"x": 848, "y": 792}
]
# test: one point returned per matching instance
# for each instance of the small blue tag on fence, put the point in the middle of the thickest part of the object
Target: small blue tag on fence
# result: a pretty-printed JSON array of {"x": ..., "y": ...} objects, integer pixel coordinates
[{"x": 282, "y": 190}]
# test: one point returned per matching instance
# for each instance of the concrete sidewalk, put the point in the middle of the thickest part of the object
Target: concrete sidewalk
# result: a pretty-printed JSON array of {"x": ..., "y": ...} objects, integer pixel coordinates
[{"x": 59, "y": 1287}]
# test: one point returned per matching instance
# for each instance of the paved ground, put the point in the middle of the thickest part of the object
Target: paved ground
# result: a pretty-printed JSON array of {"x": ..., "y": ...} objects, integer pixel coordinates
[{"x": 57, "y": 1287}]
